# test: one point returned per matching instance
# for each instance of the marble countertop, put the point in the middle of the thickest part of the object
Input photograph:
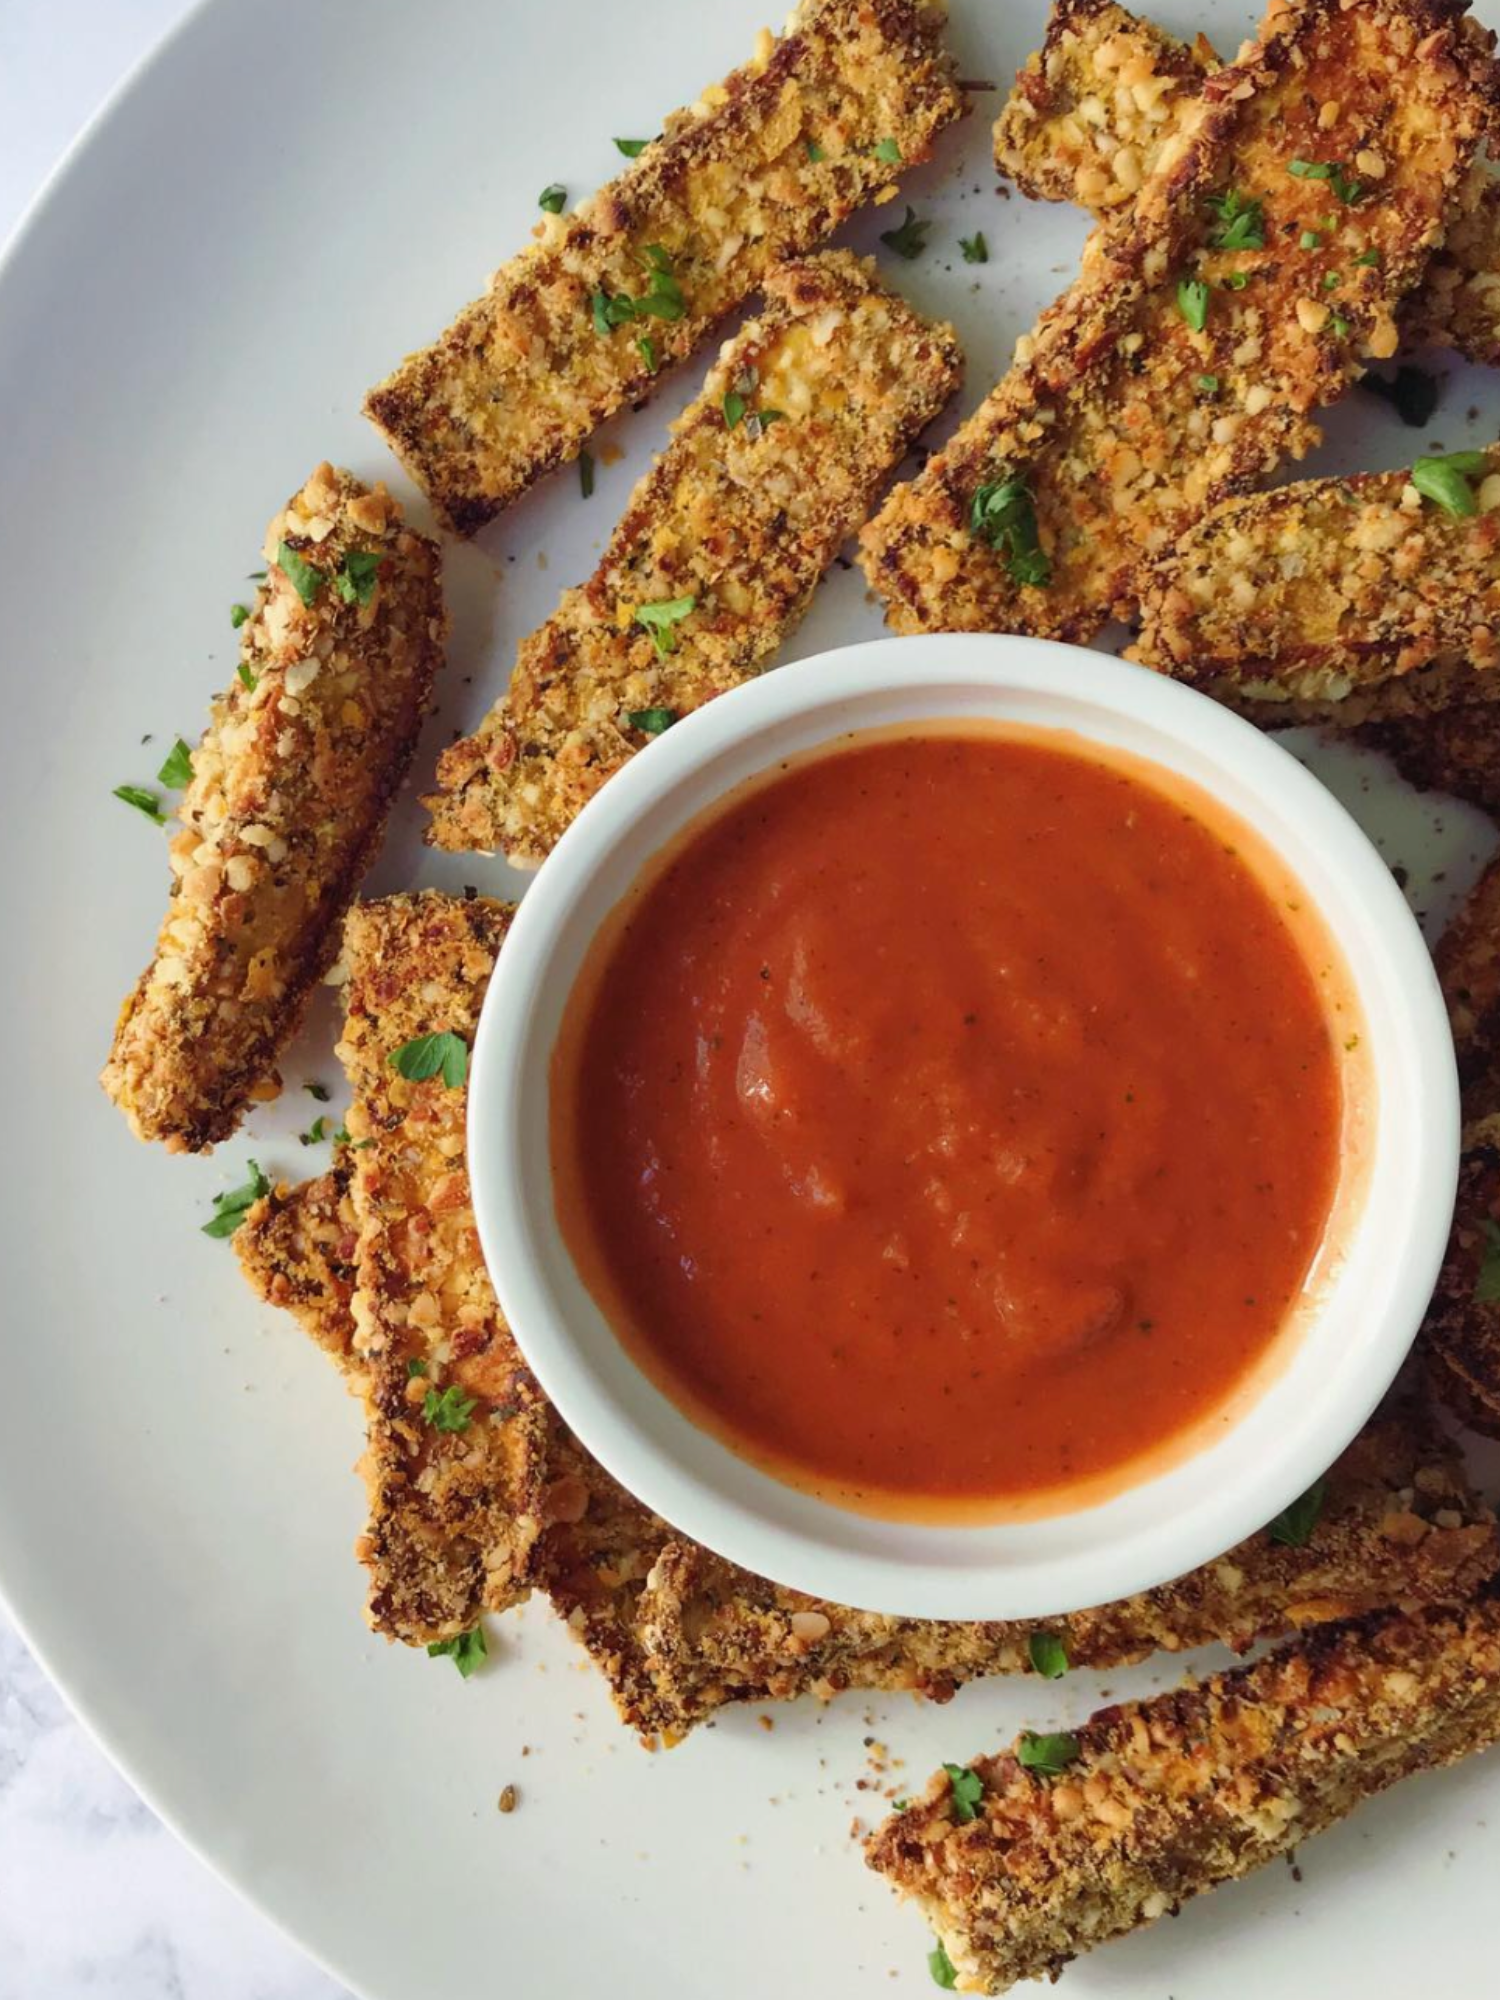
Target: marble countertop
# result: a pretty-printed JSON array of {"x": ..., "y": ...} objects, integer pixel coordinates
[{"x": 98, "y": 1901}]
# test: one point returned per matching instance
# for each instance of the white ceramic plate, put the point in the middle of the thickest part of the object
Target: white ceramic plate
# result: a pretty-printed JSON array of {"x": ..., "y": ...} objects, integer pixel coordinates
[{"x": 286, "y": 199}]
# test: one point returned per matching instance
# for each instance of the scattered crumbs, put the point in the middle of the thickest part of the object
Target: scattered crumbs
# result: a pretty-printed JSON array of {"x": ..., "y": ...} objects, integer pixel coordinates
[
  {"x": 767, "y": 1722},
  {"x": 611, "y": 454},
  {"x": 541, "y": 558},
  {"x": 856, "y": 1828},
  {"x": 1399, "y": 875},
  {"x": 508, "y": 1799}
]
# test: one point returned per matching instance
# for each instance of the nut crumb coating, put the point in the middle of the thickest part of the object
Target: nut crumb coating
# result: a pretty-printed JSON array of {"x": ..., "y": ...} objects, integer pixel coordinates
[
  {"x": 762, "y": 167},
  {"x": 290, "y": 790},
  {"x": 1177, "y": 371},
  {"x": 1460, "y": 1337},
  {"x": 456, "y": 1425},
  {"x": 1468, "y": 968},
  {"x": 296, "y": 1247},
  {"x": 739, "y": 518},
  {"x": 1172, "y": 1796},
  {"x": 1327, "y": 587}
]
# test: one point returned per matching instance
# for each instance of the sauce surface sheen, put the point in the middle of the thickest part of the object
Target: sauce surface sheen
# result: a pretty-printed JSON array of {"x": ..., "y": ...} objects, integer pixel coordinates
[{"x": 950, "y": 1119}]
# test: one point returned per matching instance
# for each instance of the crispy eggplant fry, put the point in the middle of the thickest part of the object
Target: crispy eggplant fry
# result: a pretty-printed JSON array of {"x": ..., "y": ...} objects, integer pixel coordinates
[
  {"x": 1468, "y": 965},
  {"x": 1329, "y": 587},
  {"x": 720, "y": 548},
  {"x": 1453, "y": 747},
  {"x": 1092, "y": 109},
  {"x": 1084, "y": 1837},
  {"x": 1461, "y": 1334},
  {"x": 297, "y": 1248},
  {"x": 457, "y": 1427},
  {"x": 290, "y": 790},
  {"x": 1188, "y": 359},
  {"x": 577, "y": 327}
]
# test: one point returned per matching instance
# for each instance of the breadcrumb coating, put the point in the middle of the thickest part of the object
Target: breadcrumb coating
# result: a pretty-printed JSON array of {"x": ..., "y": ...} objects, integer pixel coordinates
[
  {"x": 763, "y": 167},
  {"x": 290, "y": 790},
  {"x": 737, "y": 520},
  {"x": 1166, "y": 1798},
  {"x": 297, "y": 1247},
  {"x": 1178, "y": 371},
  {"x": 1461, "y": 1334}
]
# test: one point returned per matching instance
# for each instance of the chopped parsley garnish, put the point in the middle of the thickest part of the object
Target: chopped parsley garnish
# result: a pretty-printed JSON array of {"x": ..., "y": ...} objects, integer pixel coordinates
[
  {"x": 466, "y": 1651},
  {"x": 1310, "y": 239},
  {"x": 660, "y": 619},
  {"x": 318, "y": 1092},
  {"x": 944, "y": 1971},
  {"x": 734, "y": 408},
  {"x": 416, "y": 1366},
  {"x": 586, "y": 474},
  {"x": 1047, "y": 1754},
  {"x": 1192, "y": 302},
  {"x": 238, "y": 613},
  {"x": 449, "y": 1409},
  {"x": 304, "y": 577},
  {"x": 1370, "y": 257},
  {"x": 355, "y": 581},
  {"x": 425, "y": 1055},
  {"x": 910, "y": 240},
  {"x": 652, "y": 721},
  {"x": 1332, "y": 279},
  {"x": 1239, "y": 222},
  {"x": 662, "y": 298},
  {"x": 315, "y": 1134},
  {"x": 1347, "y": 191},
  {"x": 646, "y": 347},
  {"x": 256, "y": 576},
  {"x": 815, "y": 152},
  {"x": 143, "y": 801},
  {"x": 251, "y": 681},
  {"x": 887, "y": 149},
  {"x": 1487, "y": 1284},
  {"x": 1234, "y": 281},
  {"x": 342, "y": 1138},
  {"x": 966, "y": 1788},
  {"x": 231, "y": 1209},
  {"x": 177, "y": 768},
  {"x": 1209, "y": 384},
  {"x": 1445, "y": 481},
  {"x": 975, "y": 249},
  {"x": 553, "y": 198},
  {"x": 1004, "y": 515},
  {"x": 1294, "y": 1525},
  {"x": 760, "y": 421},
  {"x": 1048, "y": 1655},
  {"x": 1340, "y": 325},
  {"x": 631, "y": 148}
]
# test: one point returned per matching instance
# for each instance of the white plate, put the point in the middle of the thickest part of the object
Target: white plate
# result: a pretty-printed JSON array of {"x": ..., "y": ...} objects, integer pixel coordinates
[{"x": 281, "y": 204}]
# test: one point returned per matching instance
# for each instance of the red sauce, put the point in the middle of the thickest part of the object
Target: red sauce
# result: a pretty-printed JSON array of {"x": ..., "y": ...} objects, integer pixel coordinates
[{"x": 952, "y": 1118}]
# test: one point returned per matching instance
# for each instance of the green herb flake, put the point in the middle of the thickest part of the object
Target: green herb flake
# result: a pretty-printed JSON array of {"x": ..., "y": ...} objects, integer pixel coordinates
[
  {"x": 318, "y": 1092},
  {"x": 1487, "y": 1284},
  {"x": 1048, "y": 1655},
  {"x": 1312, "y": 170},
  {"x": 238, "y": 613},
  {"x": 1234, "y": 281},
  {"x": 1047, "y": 1754},
  {"x": 1209, "y": 384},
  {"x": 449, "y": 1409},
  {"x": 316, "y": 1134},
  {"x": 553, "y": 198},
  {"x": 734, "y": 408},
  {"x": 143, "y": 801},
  {"x": 415, "y": 1367},
  {"x": 1192, "y": 302},
  {"x": 660, "y": 619},
  {"x": 304, "y": 577},
  {"x": 631, "y": 148},
  {"x": 760, "y": 421},
  {"x": 249, "y": 680},
  {"x": 910, "y": 240},
  {"x": 177, "y": 770},
  {"x": 888, "y": 150},
  {"x": 1332, "y": 280},
  {"x": 1003, "y": 514},
  {"x": 466, "y": 1651},
  {"x": 1293, "y": 1526},
  {"x": 427, "y": 1055},
  {"x": 815, "y": 153},
  {"x": 646, "y": 347},
  {"x": 944, "y": 1971},
  {"x": 342, "y": 1138},
  {"x": 966, "y": 1789},
  {"x": 355, "y": 581},
  {"x": 652, "y": 721},
  {"x": 1370, "y": 258},
  {"x": 1445, "y": 481},
  {"x": 586, "y": 474},
  {"x": 1340, "y": 325},
  {"x": 1345, "y": 190},
  {"x": 256, "y": 576},
  {"x": 231, "y": 1209},
  {"x": 975, "y": 249},
  {"x": 1239, "y": 222},
  {"x": 1310, "y": 240}
]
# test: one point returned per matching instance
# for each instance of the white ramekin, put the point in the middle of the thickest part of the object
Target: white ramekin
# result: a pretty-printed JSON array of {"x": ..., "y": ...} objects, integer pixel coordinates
[{"x": 1351, "y": 1347}]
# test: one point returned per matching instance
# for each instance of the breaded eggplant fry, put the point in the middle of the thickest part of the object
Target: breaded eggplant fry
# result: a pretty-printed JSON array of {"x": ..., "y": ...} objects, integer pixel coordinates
[
  {"x": 1153, "y": 1802},
  {"x": 1186, "y": 362},
  {"x": 457, "y": 1427},
  {"x": 1092, "y": 109},
  {"x": 719, "y": 550},
  {"x": 1468, "y": 967},
  {"x": 577, "y": 327},
  {"x": 1461, "y": 1334},
  {"x": 1327, "y": 587},
  {"x": 1451, "y": 748},
  {"x": 290, "y": 790},
  {"x": 297, "y": 1248}
]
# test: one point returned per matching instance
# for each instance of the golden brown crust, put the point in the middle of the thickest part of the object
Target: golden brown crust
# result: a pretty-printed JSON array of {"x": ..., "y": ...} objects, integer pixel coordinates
[
  {"x": 1327, "y": 587},
  {"x": 1169, "y": 1797},
  {"x": 1461, "y": 1334},
  {"x": 742, "y": 519},
  {"x": 1453, "y": 745},
  {"x": 297, "y": 1248},
  {"x": 765, "y": 166},
  {"x": 1125, "y": 422},
  {"x": 1468, "y": 968},
  {"x": 291, "y": 786}
]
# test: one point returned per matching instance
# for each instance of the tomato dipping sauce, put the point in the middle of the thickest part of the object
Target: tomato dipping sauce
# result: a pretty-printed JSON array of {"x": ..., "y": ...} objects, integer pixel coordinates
[{"x": 952, "y": 1119}]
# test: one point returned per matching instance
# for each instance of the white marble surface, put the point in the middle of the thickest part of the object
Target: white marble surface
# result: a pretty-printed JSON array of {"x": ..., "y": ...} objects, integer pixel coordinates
[{"x": 98, "y": 1901}]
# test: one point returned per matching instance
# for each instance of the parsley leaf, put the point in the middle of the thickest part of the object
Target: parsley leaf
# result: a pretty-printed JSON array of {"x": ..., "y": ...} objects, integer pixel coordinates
[
  {"x": 1339, "y": 324},
  {"x": 1240, "y": 222},
  {"x": 910, "y": 240},
  {"x": 631, "y": 148},
  {"x": 647, "y": 348},
  {"x": 318, "y": 1092},
  {"x": 231, "y": 1209},
  {"x": 662, "y": 298},
  {"x": 251, "y": 681},
  {"x": 1311, "y": 170},
  {"x": 1003, "y": 514},
  {"x": 1209, "y": 384},
  {"x": 1445, "y": 481},
  {"x": 450, "y": 1410},
  {"x": 975, "y": 249},
  {"x": 586, "y": 474},
  {"x": 1048, "y": 1655},
  {"x": 760, "y": 421},
  {"x": 887, "y": 149},
  {"x": 315, "y": 1134},
  {"x": 944, "y": 1971},
  {"x": 1234, "y": 281},
  {"x": 815, "y": 152},
  {"x": 1047, "y": 1754},
  {"x": 466, "y": 1651},
  {"x": 425, "y": 1055},
  {"x": 1294, "y": 1525},
  {"x": 143, "y": 801},
  {"x": 238, "y": 613},
  {"x": 1347, "y": 191},
  {"x": 1192, "y": 302},
  {"x": 966, "y": 1789},
  {"x": 1309, "y": 240},
  {"x": 734, "y": 408},
  {"x": 304, "y": 577},
  {"x": 1487, "y": 1284},
  {"x": 659, "y": 620},
  {"x": 416, "y": 1366},
  {"x": 652, "y": 721},
  {"x": 553, "y": 198},
  {"x": 1370, "y": 257},
  {"x": 355, "y": 582},
  {"x": 177, "y": 771}
]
